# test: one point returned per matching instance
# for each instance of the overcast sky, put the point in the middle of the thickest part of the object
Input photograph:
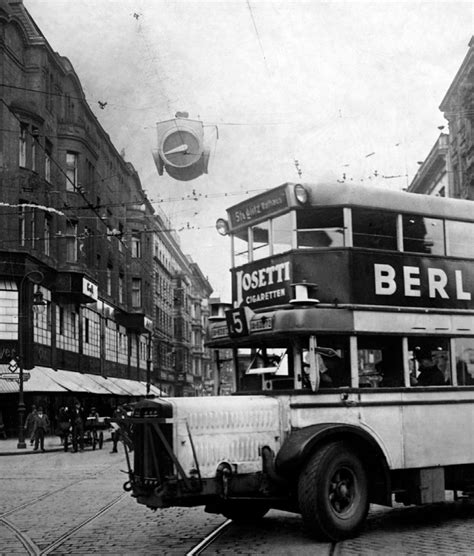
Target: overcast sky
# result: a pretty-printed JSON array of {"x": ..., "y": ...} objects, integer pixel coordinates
[{"x": 346, "y": 88}]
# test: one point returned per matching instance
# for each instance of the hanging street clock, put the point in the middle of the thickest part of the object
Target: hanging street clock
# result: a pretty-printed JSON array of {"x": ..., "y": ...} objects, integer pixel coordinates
[{"x": 181, "y": 150}]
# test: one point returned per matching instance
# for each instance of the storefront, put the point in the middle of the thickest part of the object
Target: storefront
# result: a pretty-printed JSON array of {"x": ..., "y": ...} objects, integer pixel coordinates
[{"x": 52, "y": 389}]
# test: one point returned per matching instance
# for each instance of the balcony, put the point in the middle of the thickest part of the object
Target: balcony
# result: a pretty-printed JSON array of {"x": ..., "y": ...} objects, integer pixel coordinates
[{"x": 76, "y": 287}]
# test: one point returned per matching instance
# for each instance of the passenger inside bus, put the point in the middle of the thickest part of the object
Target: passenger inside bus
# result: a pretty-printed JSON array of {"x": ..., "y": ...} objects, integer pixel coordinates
[
  {"x": 334, "y": 375},
  {"x": 380, "y": 362},
  {"x": 429, "y": 374}
]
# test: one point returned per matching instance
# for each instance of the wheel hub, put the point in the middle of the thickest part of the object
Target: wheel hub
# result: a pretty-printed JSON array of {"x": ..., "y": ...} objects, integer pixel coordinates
[{"x": 341, "y": 491}]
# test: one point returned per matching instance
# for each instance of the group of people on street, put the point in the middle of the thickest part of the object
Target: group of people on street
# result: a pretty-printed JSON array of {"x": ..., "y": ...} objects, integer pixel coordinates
[{"x": 71, "y": 425}]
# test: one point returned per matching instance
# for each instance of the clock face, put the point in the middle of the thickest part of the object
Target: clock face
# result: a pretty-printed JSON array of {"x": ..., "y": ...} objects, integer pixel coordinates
[{"x": 181, "y": 148}]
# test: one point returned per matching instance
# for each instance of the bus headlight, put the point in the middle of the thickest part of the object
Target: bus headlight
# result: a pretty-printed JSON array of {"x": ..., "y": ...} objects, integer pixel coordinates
[
  {"x": 222, "y": 226},
  {"x": 301, "y": 194}
]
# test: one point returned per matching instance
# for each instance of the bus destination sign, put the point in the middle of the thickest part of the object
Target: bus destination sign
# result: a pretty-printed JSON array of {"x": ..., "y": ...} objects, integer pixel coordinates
[
  {"x": 259, "y": 207},
  {"x": 414, "y": 281}
]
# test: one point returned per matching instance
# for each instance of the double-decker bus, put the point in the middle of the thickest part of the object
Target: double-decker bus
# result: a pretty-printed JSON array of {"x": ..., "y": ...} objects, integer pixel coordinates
[{"x": 352, "y": 333}]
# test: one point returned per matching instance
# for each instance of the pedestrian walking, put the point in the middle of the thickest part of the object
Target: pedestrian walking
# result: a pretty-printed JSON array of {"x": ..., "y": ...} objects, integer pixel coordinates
[
  {"x": 120, "y": 429},
  {"x": 40, "y": 428},
  {"x": 29, "y": 423},
  {"x": 64, "y": 426},
  {"x": 118, "y": 414},
  {"x": 77, "y": 426}
]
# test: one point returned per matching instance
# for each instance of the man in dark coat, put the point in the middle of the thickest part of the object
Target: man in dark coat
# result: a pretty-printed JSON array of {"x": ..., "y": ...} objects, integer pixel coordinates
[
  {"x": 429, "y": 373},
  {"x": 77, "y": 426},
  {"x": 64, "y": 426},
  {"x": 40, "y": 428}
]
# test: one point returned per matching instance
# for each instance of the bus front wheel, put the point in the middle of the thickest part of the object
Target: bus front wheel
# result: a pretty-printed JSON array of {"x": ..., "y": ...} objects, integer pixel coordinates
[{"x": 333, "y": 493}]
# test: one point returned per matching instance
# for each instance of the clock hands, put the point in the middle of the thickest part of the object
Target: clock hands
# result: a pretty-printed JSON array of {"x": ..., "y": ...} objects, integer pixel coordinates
[{"x": 180, "y": 149}]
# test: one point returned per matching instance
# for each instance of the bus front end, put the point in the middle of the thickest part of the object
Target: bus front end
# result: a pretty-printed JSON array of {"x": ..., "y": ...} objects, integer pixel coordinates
[{"x": 195, "y": 451}]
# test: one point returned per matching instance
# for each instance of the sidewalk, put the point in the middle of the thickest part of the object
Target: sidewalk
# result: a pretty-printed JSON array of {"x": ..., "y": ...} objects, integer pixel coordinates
[{"x": 9, "y": 447}]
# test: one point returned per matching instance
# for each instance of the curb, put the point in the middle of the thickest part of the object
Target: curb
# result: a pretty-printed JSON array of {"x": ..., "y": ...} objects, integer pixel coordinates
[{"x": 29, "y": 452}]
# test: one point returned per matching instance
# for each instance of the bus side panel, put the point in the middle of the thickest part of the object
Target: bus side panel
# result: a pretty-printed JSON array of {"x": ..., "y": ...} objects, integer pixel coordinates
[
  {"x": 379, "y": 419},
  {"x": 438, "y": 428}
]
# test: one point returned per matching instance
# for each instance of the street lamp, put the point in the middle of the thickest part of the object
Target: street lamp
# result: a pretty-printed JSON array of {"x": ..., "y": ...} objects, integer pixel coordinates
[{"x": 38, "y": 304}]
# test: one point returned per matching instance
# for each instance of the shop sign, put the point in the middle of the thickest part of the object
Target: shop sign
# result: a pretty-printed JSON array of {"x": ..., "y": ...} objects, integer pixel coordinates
[
  {"x": 15, "y": 376},
  {"x": 8, "y": 351},
  {"x": 90, "y": 289}
]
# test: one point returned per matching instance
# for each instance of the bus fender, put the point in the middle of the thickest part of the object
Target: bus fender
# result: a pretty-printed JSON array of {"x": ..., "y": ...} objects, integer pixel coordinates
[{"x": 301, "y": 443}]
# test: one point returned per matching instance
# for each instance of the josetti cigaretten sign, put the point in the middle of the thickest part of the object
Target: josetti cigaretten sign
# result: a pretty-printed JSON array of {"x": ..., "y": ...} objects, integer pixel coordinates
[{"x": 262, "y": 284}]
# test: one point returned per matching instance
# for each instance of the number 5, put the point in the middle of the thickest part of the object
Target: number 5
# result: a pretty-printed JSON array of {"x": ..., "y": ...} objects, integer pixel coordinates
[{"x": 237, "y": 323}]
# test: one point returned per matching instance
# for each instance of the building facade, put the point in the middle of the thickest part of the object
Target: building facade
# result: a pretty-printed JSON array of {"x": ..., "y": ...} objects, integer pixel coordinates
[
  {"x": 77, "y": 227},
  {"x": 181, "y": 313},
  {"x": 458, "y": 109},
  {"x": 449, "y": 168}
]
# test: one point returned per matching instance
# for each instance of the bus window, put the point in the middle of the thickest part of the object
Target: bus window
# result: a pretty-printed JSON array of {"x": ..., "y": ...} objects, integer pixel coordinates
[
  {"x": 264, "y": 369},
  {"x": 460, "y": 239},
  {"x": 374, "y": 229},
  {"x": 380, "y": 361},
  {"x": 282, "y": 233},
  {"x": 465, "y": 361},
  {"x": 261, "y": 244},
  {"x": 271, "y": 361},
  {"x": 430, "y": 361},
  {"x": 241, "y": 248},
  {"x": 423, "y": 235},
  {"x": 334, "y": 366},
  {"x": 320, "y": 228}
]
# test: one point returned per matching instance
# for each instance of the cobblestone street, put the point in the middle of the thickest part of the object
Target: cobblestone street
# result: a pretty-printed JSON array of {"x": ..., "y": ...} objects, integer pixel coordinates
[
  {"x": 66, "y": 503},
  {"x": 73, "y": 503}
]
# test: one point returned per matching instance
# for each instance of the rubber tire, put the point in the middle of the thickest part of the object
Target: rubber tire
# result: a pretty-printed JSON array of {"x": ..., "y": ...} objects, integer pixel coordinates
[
  {"x": 244, "y": 511},
  {"x": 333, "y": 463}
]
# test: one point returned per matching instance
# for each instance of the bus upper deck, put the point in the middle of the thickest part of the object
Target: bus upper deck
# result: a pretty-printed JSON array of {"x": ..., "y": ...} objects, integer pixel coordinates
[{"x": 374, "y": 274}]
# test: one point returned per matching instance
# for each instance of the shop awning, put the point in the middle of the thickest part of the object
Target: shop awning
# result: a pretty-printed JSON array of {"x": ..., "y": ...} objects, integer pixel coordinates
[
  {"x": 45, "y": 379},
  {"x": 132, "y": 387},
  {"x": 77, "y": 382},
  {"x": 109, "y": 385},
  {"x": 38, "y": 381}
]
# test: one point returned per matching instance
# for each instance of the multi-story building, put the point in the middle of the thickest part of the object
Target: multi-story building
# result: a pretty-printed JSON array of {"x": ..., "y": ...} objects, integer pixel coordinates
[
  {"x": 71, "y": 216},
  {"x": 458, "y": 109},
  {"x": 432, "y": 177},
  {"x": 77, "y": 227},
  {"x": 449, "y": 168}
]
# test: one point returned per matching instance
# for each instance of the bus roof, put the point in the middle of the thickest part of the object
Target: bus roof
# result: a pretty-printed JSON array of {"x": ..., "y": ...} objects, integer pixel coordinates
[{"x": 350, "y": 195}]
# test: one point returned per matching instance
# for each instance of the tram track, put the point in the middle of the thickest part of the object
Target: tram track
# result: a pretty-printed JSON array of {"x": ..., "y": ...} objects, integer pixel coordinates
[
  {"x": 34, "y": 550},
  {"x": 59, "y": 541},
  {"x": 205, "y": 545},
  {"x": 209, "y": 539},
  {"x": 30, "y": 546},
  {"x": 42, "y": 497}
]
